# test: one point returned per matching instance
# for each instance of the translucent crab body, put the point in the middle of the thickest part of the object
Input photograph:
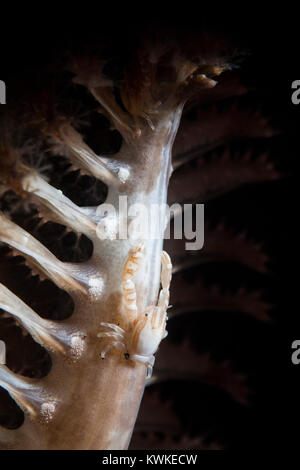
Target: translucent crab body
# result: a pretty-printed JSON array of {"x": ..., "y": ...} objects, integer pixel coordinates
[{"x": 144, "y": 331}]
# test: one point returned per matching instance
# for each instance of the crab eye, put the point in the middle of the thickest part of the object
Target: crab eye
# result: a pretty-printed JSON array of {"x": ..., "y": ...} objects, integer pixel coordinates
[{"x": 146, "y": 314}]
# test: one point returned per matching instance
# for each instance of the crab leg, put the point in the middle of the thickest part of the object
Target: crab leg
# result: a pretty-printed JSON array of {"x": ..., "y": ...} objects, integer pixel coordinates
[
  {"x": 114, "y": 327},
  {"x": 116, "y": 344},
  {"x": 166, "y": 275},
  {"x": 148, "y": 360},
  {"x": 108, "y": 334}
]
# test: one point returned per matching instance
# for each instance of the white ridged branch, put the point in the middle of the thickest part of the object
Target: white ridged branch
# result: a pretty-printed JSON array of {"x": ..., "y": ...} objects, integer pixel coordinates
[
  {"x": 84, "y": 157},
  {"x": 62, "y": 208},
  {"x": 50, "y": 335},
  {"x": 29, "y": 396},
  {"x": 68, "y": 276},
  {"x": 122, "y": 122}
]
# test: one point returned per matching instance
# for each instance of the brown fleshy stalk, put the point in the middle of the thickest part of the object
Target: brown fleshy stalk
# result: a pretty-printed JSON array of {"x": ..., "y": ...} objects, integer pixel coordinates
[{"x": 58, "y": 413}]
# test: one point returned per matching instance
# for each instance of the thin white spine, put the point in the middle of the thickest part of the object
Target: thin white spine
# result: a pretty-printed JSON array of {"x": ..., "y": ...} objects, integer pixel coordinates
[
  {"x": 29, "y": 396},
  {"x": 83, "y": 156},
  {"x": 59, "y": 205},
  {"x": 49, "y": 334},
  {"x": 60, "y": 273}
]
